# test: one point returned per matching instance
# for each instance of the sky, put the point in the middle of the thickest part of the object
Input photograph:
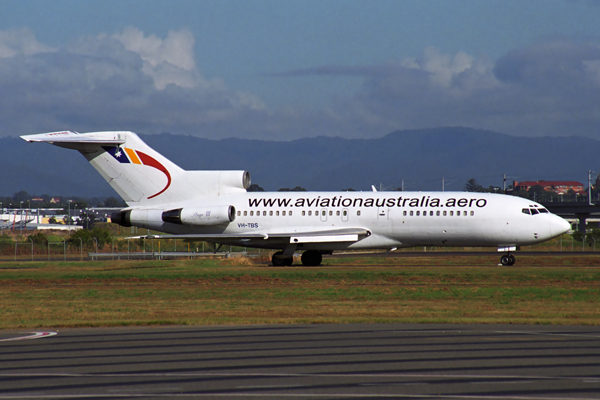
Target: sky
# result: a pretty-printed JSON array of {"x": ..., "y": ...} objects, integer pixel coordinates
[{"x": 283, "y": 70}]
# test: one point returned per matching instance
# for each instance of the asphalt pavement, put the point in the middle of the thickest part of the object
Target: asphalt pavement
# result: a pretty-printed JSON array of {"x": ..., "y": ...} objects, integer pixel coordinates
[{"x": 303, "y": 361}]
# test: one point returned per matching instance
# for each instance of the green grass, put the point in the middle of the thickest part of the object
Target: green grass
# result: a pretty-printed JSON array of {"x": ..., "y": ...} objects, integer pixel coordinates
[{"x": 469, "y": 290}]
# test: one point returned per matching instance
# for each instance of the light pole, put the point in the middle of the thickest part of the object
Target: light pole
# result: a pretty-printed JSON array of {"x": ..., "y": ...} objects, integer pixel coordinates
[
  {"x": 21, "y": 219},
  {"x": 69, "y": 205}
]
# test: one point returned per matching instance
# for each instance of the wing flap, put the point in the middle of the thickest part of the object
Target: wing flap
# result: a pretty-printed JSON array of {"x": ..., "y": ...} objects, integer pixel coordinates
[
  {"x": 326, "y": 236},
  {"x": 323, "y": 238}
]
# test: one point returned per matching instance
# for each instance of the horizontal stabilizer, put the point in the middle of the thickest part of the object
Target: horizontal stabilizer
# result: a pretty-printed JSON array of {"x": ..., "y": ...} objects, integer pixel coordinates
[{"x": 113, "y": 138}]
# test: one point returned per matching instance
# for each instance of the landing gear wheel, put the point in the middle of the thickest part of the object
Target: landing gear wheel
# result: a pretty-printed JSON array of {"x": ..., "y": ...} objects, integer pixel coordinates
[
  {"x": 281, "y": 260},
  {"x": 507, "y": 260},
  {"x": 311, "y": 258}
]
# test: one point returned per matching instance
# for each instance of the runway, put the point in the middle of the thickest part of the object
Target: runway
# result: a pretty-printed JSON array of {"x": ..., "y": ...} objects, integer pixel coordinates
[{"x": 304, "y": 361}]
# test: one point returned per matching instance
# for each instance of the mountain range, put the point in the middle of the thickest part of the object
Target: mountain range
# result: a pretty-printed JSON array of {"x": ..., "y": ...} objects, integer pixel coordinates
[{"x": 419, "y": 158}]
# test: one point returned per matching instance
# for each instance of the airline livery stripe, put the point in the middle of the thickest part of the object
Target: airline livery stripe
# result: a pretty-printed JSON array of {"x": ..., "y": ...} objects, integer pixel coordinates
[
  {"x": 151, "y": 162},
  {"x": 132, "y": 156},
  {"x": 117, "y": 154}
]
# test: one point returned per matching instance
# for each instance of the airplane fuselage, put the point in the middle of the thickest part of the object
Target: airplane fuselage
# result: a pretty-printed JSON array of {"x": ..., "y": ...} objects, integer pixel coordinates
[{"x": 394, "y": 219}]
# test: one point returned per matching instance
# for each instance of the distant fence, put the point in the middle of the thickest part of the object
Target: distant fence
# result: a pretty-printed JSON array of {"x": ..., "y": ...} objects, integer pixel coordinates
[
  {"x": 61, "y": 250},
  {"x": 162, "y": 255}
]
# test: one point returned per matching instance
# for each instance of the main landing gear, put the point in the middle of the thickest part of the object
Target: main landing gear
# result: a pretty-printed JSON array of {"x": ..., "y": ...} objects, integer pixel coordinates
[
  {"x": 282, "y": 260},
  {"x": 310, "y": 258},
  {"x": 507, "y": 259}
]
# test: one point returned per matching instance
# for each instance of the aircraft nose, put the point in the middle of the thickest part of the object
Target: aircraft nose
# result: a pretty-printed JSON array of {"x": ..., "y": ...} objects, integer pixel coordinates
[{"x": 558, "y": 226}]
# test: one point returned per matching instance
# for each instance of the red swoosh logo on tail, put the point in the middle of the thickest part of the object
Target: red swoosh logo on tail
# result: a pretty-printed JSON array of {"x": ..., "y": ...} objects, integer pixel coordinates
[{"x": 148, "y": 160}]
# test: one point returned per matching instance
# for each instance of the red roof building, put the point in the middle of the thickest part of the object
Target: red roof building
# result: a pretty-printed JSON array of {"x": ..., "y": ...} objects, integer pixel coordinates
[{"x": 558, "y": 187}]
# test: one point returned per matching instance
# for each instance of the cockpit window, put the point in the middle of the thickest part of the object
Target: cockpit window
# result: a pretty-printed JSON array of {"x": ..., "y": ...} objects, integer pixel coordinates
[{"x": 534, "y": 210}]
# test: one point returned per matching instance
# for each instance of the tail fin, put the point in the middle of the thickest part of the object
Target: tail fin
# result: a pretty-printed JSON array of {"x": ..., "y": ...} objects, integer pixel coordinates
[{"x": 139, "y": 174}]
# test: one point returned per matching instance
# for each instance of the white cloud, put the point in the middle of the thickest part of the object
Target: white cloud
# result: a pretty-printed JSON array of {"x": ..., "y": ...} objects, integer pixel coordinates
[
  {"x": 177, "y": 49},
  {"x": 547, "y": 88},
  {"x": 441, "y": 67},
  {"x": 124, "y": 81},
  {"x": 20, "y": 42},
  {"x": 134, "y": 81},
  {"x": 167, "y": 61}
]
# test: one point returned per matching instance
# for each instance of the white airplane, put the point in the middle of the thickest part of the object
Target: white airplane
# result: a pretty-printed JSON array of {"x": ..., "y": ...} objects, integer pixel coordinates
[{"x": 214, "y": 206}]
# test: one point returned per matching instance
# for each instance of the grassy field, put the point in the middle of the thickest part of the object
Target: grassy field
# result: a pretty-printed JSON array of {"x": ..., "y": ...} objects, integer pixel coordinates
[{"x": 553, "y": 289}]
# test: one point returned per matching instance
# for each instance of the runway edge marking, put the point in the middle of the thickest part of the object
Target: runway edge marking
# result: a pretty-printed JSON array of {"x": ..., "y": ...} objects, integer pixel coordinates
[{"x": 35, "y": 335}]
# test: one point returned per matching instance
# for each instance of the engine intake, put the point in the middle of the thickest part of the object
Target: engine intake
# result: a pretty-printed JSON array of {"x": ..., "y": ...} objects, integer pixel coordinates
[{"x": 122, "y": 218}]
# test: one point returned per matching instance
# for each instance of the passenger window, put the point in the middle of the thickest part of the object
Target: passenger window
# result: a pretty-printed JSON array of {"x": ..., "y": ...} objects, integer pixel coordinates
[
  {"x": 245, "y": 213},
  {"x": 277, "y": 213},
  {"x": 264, "y": 213},
  {"x": 404, "y": 213},
  {"x": 358, "y": 213},
  {"x": 411, "y": 213},
  {"x": 345, "y": 213},
  {"x": 431, "y": 213},
  {"x": 418, "y": 213},
  {"x": 239, "y": 213},
  {"x": 303, "y": 213},
  {"x": 337, "y": 213},
  {"x": 451, "y": 213},
  {"x": 309, "y": 213},
  {"x": 444, "y": 213},
  {"x": 330, "y": 213},
  {"x": 290, "y": 213},
  {"x": 283, "y": 213},
  {"x": 271, "y": 213},
  {"x": 472, "y": 213},
  {"x": 251, "y": 213}
]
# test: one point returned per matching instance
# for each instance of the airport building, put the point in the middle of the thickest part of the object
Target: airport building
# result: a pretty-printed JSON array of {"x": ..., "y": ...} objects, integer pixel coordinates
[{"x": 558, "y": 187}]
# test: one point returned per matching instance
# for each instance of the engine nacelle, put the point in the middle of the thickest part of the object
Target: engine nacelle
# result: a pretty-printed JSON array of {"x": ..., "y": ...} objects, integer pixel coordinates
[
  {"x": 122, "y": 218},
  {"x": 201, "y": 216},
  {"x": 144, "y": 218}
]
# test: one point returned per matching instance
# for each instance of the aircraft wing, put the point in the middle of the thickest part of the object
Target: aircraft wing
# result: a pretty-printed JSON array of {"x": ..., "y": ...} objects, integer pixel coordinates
[{"x": 324, "y": 236}]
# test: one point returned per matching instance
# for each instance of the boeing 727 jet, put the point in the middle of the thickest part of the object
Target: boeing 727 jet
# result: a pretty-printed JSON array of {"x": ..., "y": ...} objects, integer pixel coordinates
[{"x": 214, "y": 206}]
